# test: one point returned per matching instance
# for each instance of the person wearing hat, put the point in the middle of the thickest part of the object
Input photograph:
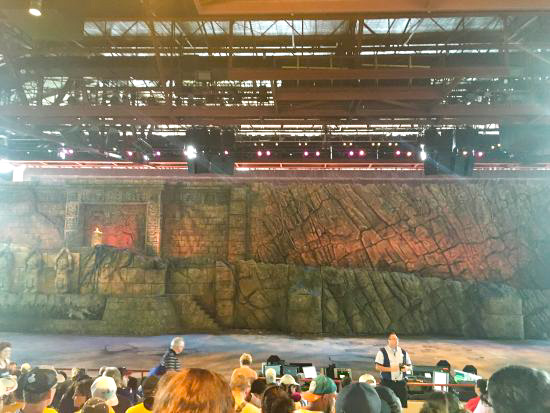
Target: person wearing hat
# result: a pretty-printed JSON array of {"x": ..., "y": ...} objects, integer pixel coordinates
[
  {"x": 390, "y": 402},
  {"x": 291, "y": 387},
  {"x": 124, "y": 403},
  {"x": 8, "y": 384},
  {"x": 104, "y": 388},
  {"x": 149, "y": 387},
  {"x": 358, "y": 398},
  {"x": 325, "y": 389},
  {"x": 38, "y": 387}
]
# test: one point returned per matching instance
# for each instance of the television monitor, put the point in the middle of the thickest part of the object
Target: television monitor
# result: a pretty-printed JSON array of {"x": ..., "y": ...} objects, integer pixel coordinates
[
  {"x": 440, "y": 377},
  {"x": 310, "y": 372}
]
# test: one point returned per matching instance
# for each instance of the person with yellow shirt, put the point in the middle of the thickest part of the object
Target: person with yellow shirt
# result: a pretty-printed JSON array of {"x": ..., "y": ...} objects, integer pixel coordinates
[
  {"x": 240, "y": 387},
  {"x": 38, "y": 387},
  {"x": 149, "y": 387}
]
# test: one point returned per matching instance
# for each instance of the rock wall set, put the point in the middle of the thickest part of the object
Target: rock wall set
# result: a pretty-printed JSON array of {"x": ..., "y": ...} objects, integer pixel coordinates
[{"x": 461, "y": 258}]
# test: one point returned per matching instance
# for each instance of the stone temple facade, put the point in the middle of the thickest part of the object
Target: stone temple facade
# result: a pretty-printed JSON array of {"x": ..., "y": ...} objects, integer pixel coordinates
[{"x": 424, "y": 257}]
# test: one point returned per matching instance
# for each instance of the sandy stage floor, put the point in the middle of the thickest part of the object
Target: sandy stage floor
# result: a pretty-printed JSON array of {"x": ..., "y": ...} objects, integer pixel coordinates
[{"x": 221, "y": 352}]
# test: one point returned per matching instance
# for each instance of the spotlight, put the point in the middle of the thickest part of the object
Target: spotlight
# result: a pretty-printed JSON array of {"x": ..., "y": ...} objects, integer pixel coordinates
[
  {"x": 157, "y": 153},
  {"x": 465, "y": 153},
  {"x": 190, "y": 152},
  {"x": 345, "y": 144},
  {"x": 146, "y": 158},
  {"x": 299, "y": 143},
  {"x": 267, "y": 153},
  {"x": 423, "y": 155},
  {"x": 378, "y": 144},
  {"x": 276, "y": 143},
  {"x": 226, "y": 152},
  {"x": 390, "y": 144},
  {"x": 409, "y": 154},
  {"x": 493, "y": 147},
  {"x": 317, "y": 153},
  {"x": 35, "y": 8},
  {"x": 397, "y": 152},
  {"x": 305, "y": 144},
  {"x": 130, "y": 153},
  {"x": 372, "y": 144},
  {"x": 306, "y": 153},
  {"x": 480, "y": 154},
  {"x": 259, "y": 153},
  {"x": 351, "y": 153},
  {"x": 350, "y": 144},
  {"x": 361, "y": 152}
]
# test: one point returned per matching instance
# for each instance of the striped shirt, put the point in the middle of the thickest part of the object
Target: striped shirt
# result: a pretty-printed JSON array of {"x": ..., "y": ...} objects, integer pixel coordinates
[{"x": 170, "y": 361}]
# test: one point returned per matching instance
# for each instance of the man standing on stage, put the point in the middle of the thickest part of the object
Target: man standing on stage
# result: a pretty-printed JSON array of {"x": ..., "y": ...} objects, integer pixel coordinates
[{"x": 393, "y": 363}]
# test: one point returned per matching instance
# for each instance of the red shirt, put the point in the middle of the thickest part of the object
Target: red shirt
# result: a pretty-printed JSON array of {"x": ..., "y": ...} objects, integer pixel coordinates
[{"x": 472, "y": 404}]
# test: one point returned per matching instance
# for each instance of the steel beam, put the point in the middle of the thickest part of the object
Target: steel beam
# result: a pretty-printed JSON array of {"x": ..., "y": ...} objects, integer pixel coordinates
[{"x": 358, "y": 93}]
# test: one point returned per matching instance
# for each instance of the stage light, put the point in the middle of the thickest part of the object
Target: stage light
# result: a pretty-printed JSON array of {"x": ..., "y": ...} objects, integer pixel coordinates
[
  {"x": 226, "y": 152},
  {"x": 317, "y": 153},
  {"x": 480, "y": 154},
  {"x": 306, "y": 153},
  {"x": 276, "y": 143},
  {"x": 146, "y": 158},
  {"x": 465, "y": 153},
  {"x": 305, "y": 144},
  {"x": 378, "y": 144},
  {"x": 299, "y": 143},
  {"x": 390, "y": 144},
  {"x": 259, "y": 153},
  {"x": 409, "y": 154},
  {"x": 351, "y": 153},
  {"x": 345, "y": 144},
  {"x": 397, "y": 152},
  {"x": 5, "y": 166},
  {"x": 35, "y": 8},
  {"x": 255, "y": 144},
  {"x": 498, "y": 144},
  {"x": 350, "y": 144},
  {"x": 267, "y": 153},
  {"x": 130, "y": 153},
  {"x": 157, "y": 153},
  {"x": 493, "y": 147},
  {"x": 190, "y": 152},
  {"x": 361, "y": 152},
  {"x": 261, "y": 144},
  {"x": 372, "y": 144}
]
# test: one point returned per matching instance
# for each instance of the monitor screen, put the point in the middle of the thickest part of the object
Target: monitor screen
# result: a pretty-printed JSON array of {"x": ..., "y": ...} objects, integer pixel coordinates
[
  {"x": 440, "y": 377},
  {"x": 309, "y": 372},
  {"x": 462, "y": 376}
]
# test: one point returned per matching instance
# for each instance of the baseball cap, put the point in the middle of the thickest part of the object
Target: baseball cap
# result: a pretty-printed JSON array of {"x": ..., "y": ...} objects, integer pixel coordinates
[
  {"x": 8, "y": 384},
  {"x": 324, "y": 385},
  {"x": 367, "y": 378},
  {"x": 95, "y": 405},
  {"x": 104, "y": 388},
  {"x": 287, "y": 379},
  {"x": 38, "y": 380},
  {"x": 358, "y": 398}
]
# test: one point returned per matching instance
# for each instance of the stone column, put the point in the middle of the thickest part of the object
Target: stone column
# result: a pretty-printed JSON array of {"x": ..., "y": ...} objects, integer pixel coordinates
[
  {"x": 225, "y": 295},
  {"x": 152, "y": 225},
  {"x": 73, "y": 224},
  {"x": 237, "y": 239}
]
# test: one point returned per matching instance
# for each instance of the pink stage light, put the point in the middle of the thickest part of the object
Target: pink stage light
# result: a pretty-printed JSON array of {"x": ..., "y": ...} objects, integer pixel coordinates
[
  {"x": 130, "y": 153},
  {"x": 226, "y": 152},
  {"x": 409, "y": 154},
  {"x": 361, "y": 152},
  {"x": 317, "y": 153},
  {"x": 267, "y": 153},
  {"x": 351, "y": 153},
  {"x": 398, "y": 153},
  {"x": 306, "y": 153},
  {"x": 480, "y": 154},
  {"x": 259, "y": 153}
]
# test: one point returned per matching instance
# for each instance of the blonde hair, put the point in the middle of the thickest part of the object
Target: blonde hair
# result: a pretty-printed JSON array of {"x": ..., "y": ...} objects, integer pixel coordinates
[
  {"x": 270, "y": 376},
  {"x": 246, "y": 359},
  {"x": 194, "y": 391}
]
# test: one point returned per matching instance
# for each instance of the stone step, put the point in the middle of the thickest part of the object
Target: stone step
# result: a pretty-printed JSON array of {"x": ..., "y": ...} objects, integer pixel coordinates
[{"x": 192, "y": 315}]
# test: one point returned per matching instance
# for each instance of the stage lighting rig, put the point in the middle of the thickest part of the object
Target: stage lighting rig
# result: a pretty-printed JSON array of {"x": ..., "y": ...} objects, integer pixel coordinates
[{"x": 35, "y": 8}]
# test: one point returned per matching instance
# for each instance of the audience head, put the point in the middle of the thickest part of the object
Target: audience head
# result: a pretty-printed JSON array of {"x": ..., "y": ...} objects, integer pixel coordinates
[
  {"x": 518, "y": 388},
  {"x": 95, "y": 405},
  {"x": 25, "y": 368},
  {"x": 12, "y": 368},
  {"x": 358, "y": 398},
  {"x": 104, "y": 388},
  {"x": 481, "y": 390},
  {"x": 245, "y": 359},
  {"x": 149, "y": 386},
  {"x": 78, "y": 373},
  {"x": 325, "y": 388},
  {"x": 288, "y": 384},
  {"x": 7, "y": 386},
  {"x": 324, "y": 385},
  {"x": 276, "y": 399},
  {"x": 113, "y": 372},
  {"x": 194, "y": 390},
  {"x": 270, "y": 376},
  {"x": 258, "y": 387},
  {"x": 367, "y": 378},
  {"x": 177, "y": 345},
  {"x": 82, "y": 392},
  {"x": 439, "y": 402},
  {"x": 38, "y": 386}
]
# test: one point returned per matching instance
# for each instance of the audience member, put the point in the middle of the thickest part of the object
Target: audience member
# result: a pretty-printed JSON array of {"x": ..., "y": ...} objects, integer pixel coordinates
[
  {"x": 390, "y": 403},
  {"x": 257, "y": 389},
  {"x": 170, "y": 359},
  {"x": 25, "y": 368},
  {"x": 515, "y": 389},
  {"x": 38, "y": 387},
  {"x": 367, "y": 378},
  {"x": 245, "y": 369},
  {"x": 5, "y": 354},
  {"x": 277, "y": 400},
  {"x": 194, "y": 390},
  {"x": 7, "y": 386},
  {"x": 104, "y": 388},
  {"x": 358, "y": 398},
  {"x": 481, "y": 386},
  {"x": 95, "y": 405},
  {"x": 326, "y": 389},
  {"x": 12, "y": 369},
  {"x": 82, "y": 393},
  {"x": 149, "y": 387},
  {"x": 270, "y": 376},
  {"x": 124, "y": 402},
  {"x": 439, "y": 402},
  {"x": 65, "y": 391},
  {"x": 240, "y": 387}
]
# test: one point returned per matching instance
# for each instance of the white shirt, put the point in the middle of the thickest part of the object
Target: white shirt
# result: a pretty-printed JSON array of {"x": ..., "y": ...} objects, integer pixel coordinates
[{"x": 396, "y": 358}]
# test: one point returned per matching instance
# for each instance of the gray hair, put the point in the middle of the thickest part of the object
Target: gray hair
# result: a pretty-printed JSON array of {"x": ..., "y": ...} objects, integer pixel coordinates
[
  {"x": 270, "y": 376},
  {"x": 176, "y": 342}
]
